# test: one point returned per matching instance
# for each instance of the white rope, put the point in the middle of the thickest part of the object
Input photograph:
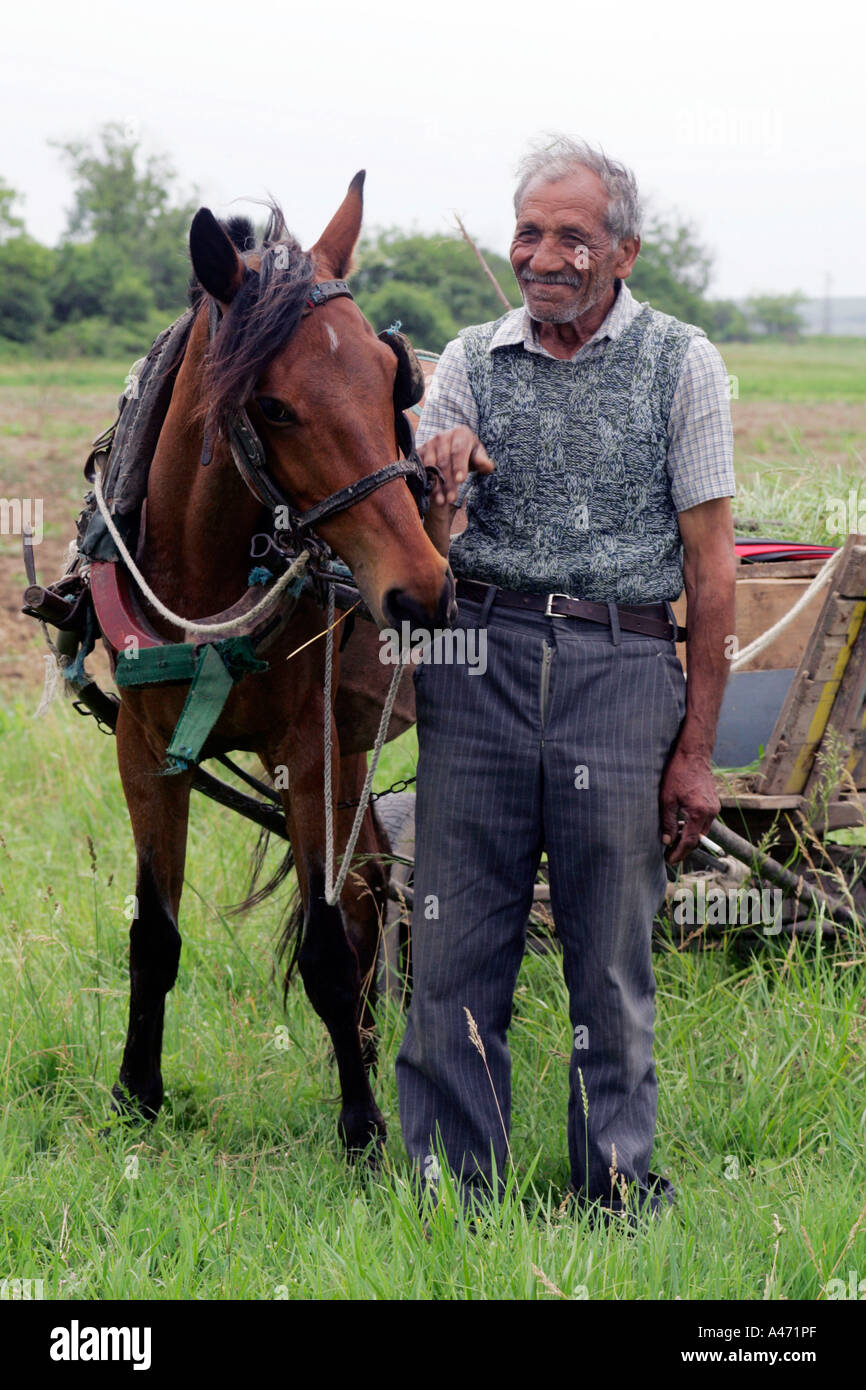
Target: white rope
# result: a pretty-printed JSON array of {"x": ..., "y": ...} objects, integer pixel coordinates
[
  {"x": 49, "y": 685},
  {"x": 231, "y": 625},
  {"x": 332, "y": 889},
  {"x": 768, "y": 637}
]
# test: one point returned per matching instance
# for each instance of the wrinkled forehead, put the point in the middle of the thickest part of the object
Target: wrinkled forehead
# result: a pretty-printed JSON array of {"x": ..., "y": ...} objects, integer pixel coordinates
[{"x": 578, "y": 199}]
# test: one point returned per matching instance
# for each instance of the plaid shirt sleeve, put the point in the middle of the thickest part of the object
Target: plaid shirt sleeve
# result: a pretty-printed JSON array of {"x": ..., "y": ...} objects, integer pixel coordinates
[
  {"x": 700, "y": 436},
  {"x": 449, "y": 401}
]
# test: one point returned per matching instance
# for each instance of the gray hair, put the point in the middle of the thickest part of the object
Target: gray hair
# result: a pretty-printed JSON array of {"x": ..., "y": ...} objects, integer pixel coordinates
[{"x": 561, "y": 156}]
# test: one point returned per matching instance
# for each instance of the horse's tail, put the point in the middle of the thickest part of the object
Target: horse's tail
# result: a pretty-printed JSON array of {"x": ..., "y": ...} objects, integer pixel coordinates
[
  {"x": 289, "y": 943},
  {"x": 291, "y": 936}
]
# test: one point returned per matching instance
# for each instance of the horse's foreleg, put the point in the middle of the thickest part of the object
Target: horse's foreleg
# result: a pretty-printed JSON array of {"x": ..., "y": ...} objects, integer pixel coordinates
[
  {"x": 328, "y": 960},
  {"x": 158, "y": 808}
]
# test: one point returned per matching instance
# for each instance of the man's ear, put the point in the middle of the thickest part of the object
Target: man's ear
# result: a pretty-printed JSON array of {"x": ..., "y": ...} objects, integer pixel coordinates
[
  {"x": 626, "y": 255},
  {"x": 217, "y": 265},
  {"x": 332, "y": 253}
]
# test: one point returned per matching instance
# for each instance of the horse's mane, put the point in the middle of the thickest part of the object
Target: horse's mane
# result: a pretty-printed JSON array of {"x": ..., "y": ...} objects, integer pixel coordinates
[{"x": 264, "y": 313}]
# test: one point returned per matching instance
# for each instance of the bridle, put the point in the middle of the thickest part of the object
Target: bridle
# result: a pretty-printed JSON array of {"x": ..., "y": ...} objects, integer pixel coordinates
[{"x": 249, "y": 456}]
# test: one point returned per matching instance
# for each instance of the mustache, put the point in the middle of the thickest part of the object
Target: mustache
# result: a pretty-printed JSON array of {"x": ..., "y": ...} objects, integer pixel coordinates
[{"x": 530, "y": 278}]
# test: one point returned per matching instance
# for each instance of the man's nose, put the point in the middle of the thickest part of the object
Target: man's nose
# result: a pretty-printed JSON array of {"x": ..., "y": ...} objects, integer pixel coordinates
[{"x": 545, "y": 259}]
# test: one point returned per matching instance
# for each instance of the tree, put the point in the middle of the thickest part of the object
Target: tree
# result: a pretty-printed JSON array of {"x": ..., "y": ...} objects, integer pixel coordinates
[
  {"x": 127, "y": 201},
  {"x": 96, "y": 279},
  {"x": 673, "y": 271},
  {"x": 420, "y": 313},
  {"x": 729, "y": 322},
  {"x": 25, "y": 271},
  {"x": 675, "y": 244},
  {"x": 777, "y": 313},
  {"x": 440, "y": 274},
  {"x": 10, "y": 224}
]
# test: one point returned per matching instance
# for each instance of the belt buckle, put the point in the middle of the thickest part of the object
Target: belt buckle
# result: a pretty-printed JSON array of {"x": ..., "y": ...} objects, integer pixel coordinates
[{"x": 548, "y": 611}]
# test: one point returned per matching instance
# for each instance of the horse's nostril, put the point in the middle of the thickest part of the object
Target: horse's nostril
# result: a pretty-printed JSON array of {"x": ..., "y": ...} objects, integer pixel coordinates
[{"x": 400, "y": 606}]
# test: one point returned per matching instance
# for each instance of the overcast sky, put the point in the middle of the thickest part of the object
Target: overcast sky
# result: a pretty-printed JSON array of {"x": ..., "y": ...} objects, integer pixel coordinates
[{"x": 746, "y": 117}]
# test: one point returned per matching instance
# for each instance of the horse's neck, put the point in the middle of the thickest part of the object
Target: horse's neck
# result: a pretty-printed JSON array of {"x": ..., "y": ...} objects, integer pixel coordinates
[{"x": 199, "y": 520}]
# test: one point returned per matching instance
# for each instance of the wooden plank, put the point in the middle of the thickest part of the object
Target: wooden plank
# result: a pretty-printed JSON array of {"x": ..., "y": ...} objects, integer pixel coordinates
[
  {"x": 761, "y": 603},
  {"x": 858, "y": 772},
  {"x": 778, "y": 569},
  {"x": 803, "y": 719},
  {"x": 807, "y": 708},
  {"x": 754, "y": 801},
  {"x": 851, "y": 577},
  {"x": 841, "y": 815},
  {"x": 847, "y": 721}
]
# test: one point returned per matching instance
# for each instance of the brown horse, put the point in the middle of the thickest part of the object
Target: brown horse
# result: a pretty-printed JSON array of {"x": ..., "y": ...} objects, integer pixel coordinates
[{"x": 318, "y": 386}]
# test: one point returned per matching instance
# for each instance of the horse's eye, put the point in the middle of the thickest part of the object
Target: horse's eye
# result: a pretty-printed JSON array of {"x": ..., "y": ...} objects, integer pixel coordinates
[{"x": 275, "y": 412}]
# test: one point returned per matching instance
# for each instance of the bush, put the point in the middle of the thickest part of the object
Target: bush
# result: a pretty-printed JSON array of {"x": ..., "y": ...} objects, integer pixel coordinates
[
  {"x": 98, "y": 336},
  {"x": 25, "y": 267},
  {"x": 421, "y": 314}
]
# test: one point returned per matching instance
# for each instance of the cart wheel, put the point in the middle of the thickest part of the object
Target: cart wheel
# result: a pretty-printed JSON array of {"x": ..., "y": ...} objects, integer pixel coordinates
[{"x": 396, "y": 812}]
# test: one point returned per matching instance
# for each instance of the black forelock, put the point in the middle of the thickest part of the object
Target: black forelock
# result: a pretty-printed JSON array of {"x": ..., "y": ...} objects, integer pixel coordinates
[{"x": 241, "y": 232}]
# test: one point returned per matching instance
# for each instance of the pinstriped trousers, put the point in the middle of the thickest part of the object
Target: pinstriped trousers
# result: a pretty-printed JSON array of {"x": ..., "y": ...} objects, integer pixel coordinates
[{"x": 559, "y": 746}]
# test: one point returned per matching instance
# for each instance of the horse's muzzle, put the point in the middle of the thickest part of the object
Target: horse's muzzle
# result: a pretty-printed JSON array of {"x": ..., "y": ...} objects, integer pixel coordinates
[{"x": 399, "y": 605}]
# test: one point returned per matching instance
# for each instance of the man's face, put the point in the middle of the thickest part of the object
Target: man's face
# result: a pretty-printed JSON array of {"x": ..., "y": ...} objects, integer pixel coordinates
[{"x": 561, "y": 252}]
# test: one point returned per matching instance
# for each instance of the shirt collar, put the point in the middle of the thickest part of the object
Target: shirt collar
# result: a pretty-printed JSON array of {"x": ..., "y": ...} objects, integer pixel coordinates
[{"x": 517, "y": 327}]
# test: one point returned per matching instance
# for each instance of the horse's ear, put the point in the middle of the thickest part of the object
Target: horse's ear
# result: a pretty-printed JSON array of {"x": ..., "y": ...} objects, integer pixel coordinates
[
  {"x": 218, "y": 267},
  {"x": 333, "y": 251}
]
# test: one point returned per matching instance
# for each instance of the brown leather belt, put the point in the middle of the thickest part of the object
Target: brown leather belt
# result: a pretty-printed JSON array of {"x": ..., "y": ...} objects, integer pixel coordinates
[{"x": 650, "y": 619}]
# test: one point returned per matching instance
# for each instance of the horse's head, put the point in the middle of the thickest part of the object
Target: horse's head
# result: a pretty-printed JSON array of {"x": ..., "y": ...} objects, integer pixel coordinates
[{"x": 323, "y": 393}]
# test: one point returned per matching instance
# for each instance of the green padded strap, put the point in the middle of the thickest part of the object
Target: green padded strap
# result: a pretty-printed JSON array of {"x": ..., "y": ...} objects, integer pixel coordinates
[
  {"x": 176, "y": 661},
  {"x": 207, "y": 695},
  {"x": 239, "y": 655}
]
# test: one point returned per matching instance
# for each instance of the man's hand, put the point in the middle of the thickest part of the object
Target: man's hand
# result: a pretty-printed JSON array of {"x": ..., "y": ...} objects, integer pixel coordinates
[
  {"x": 688, "y": 794},
  {"x": 453, "y": 453}
]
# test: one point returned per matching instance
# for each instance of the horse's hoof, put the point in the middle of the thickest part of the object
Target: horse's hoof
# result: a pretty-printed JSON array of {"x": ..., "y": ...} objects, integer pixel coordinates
[
  {"x": 363, "y": 1137},
  {"x": 130, "y": 1111}
]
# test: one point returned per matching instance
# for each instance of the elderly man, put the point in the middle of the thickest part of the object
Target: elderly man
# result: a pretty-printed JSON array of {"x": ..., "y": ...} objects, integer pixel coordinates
[{"x": 590, "y": 438}]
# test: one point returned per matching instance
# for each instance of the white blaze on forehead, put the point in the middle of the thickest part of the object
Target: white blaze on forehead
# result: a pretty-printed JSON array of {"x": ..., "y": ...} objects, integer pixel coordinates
[{"x": 334, "y": 340}]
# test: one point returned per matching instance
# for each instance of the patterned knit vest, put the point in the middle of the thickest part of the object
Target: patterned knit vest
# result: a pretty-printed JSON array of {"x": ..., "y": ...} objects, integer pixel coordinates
[{"x": 580, "y": 500}]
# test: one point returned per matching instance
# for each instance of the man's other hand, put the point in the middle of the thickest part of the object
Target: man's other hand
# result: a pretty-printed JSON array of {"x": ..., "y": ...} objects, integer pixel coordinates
[
  {"x": 453, "y": 453},
  {"x": 688, "y": 794}
]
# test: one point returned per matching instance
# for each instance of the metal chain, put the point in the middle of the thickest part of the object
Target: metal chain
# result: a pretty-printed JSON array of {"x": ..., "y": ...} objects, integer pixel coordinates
[{"x": 399, "y": 786}]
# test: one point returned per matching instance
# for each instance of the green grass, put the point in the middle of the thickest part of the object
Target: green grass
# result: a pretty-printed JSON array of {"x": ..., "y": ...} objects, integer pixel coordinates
[
  {"x": 813, "y": 369},
  {"x": 240, "y": 1190},
  {"x": 93, "y": 374},
  {"x": 803, "y": 499}
]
